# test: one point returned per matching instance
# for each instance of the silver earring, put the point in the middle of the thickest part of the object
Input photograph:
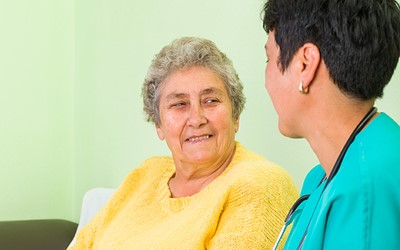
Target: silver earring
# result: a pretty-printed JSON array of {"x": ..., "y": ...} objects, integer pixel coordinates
[{"x": 301, "y": 89}]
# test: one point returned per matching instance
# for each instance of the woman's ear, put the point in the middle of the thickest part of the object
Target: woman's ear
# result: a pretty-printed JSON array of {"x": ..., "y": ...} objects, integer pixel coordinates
[
  {"x": 236, "y": 124},
  {"x": 310, "y": 57},
  {"x": 160, "y": 132}
]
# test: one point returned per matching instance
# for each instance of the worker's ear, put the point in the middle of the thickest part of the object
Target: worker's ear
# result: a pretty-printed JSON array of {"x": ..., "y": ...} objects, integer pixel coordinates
[{"x": 310, "y": 58}]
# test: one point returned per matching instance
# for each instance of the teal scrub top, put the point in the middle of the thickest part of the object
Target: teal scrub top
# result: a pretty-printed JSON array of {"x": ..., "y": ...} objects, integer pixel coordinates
[{"x": 360, "y": 208}]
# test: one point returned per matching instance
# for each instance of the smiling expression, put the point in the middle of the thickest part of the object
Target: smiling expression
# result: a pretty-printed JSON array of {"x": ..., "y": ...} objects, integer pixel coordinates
[{"x": 196, "y": 117}]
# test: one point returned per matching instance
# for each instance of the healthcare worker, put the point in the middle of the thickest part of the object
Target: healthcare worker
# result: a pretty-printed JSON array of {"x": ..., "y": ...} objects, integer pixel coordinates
[{"x": 327, "y": 63}]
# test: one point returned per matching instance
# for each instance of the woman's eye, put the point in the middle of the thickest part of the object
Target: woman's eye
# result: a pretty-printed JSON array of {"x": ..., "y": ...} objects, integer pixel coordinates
[
  {"x": 178, "y": 104},
  {"x": 211, "y": 101}
]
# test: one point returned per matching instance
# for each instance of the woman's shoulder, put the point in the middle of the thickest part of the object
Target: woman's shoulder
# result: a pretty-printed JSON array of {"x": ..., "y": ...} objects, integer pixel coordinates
[
  {"x": 253, "y": 177},
  {"x": 151, "y": 168},
  {"x": 262, "y": 170},
  {"x": 252, "y": 161},
  {"x": 257, "y": 169}
]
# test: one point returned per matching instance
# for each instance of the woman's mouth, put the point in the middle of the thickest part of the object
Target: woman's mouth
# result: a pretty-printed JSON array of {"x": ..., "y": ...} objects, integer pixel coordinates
[{"x": 198, "y": 138}]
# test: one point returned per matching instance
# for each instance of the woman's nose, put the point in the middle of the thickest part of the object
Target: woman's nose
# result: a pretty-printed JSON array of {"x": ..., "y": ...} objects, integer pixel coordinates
[{"x": 196, "y": 116}]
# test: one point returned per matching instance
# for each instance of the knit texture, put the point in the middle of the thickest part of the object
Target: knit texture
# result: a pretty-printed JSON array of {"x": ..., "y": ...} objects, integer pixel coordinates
[{"x": 243, "y": 208}]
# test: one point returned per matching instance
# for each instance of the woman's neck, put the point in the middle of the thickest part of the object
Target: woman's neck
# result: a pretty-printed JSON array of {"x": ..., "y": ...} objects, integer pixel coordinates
[{"x": 191, "y": 179}]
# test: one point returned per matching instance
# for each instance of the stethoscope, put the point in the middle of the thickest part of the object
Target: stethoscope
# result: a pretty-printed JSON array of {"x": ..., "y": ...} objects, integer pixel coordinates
[{"x": 294, "y": 209}]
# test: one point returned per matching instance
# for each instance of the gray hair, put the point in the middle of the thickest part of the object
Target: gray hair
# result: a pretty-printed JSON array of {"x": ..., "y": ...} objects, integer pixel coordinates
[{"x": 185, "y": 53}]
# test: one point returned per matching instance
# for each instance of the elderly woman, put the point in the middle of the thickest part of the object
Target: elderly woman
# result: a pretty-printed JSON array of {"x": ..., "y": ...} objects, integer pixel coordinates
[
  {"x": 212, "y": 193},
  {"x": 328, "y": 61}
]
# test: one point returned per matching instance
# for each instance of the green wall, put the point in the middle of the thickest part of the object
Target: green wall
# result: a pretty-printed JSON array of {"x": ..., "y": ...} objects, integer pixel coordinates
[
  {"x": 71, "y": 76},
  {"x": 36, "y": 109}
]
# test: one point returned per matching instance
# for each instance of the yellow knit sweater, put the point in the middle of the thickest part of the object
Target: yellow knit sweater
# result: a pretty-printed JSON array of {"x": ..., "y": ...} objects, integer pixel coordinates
[{"x": 243, "y": 208}]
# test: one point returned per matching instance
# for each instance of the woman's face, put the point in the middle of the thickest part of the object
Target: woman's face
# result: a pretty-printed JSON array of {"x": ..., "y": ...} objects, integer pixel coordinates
[
  {"x": 282, "y": 88},
  {"x": 196, "y": 117}
]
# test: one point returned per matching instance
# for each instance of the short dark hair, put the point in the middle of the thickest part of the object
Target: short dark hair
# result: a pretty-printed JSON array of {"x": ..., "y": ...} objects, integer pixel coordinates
[{"x": 359, "y": 40}]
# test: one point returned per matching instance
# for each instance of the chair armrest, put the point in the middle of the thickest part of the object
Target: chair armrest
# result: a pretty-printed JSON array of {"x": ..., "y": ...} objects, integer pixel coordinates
[
  {"x": 93, "y": 201},
  {"x": 36, "y": 234}
]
